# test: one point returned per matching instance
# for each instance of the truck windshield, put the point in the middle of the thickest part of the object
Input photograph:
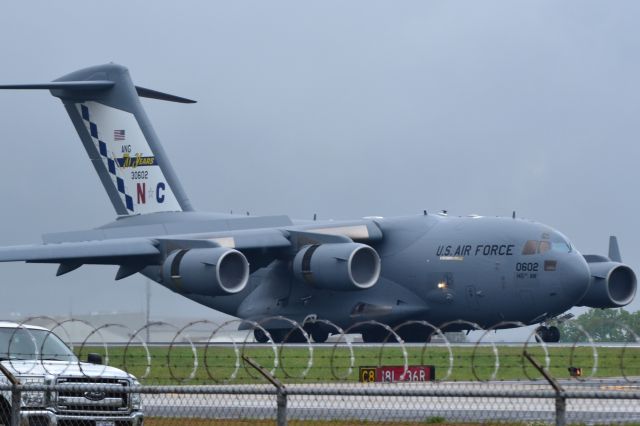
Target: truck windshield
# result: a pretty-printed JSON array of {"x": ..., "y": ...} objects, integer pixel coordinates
[{"x": 24, "y": 343}]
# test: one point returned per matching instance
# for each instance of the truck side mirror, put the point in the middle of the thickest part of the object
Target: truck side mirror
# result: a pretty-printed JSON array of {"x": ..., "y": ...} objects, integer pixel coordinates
[{"x": 93, "y": 358}]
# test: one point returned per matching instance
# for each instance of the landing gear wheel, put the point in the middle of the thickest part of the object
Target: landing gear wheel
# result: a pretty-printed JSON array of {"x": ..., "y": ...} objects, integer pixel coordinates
[
  {"x": 542, "y": 334},
  {"x": 278, "y": 335},
  {"x": 317, "y": 331},
  {"x": 319, "y": 334},
  {"x": 414, "y": 333},
  {"x": 547, "y": 334},
  {"x": 293, "y": 336},
  {"x": 260, "y": 335},
  {"x": 412, "y": 338},
  {"x": 375, "y": 335}
]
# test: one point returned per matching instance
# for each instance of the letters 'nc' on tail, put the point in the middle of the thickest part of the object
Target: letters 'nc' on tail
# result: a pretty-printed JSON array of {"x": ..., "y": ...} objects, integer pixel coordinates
[{"x": 105, "y": 109}]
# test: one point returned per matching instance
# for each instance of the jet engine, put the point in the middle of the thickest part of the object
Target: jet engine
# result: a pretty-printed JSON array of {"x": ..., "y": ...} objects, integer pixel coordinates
[
  {"x": 612, "y": 284},
  {"x": 214, "y": 271},
  {"x": 338, "y": 266}
]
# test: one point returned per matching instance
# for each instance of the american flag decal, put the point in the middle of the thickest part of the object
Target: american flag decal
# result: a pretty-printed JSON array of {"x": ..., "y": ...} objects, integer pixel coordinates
[{"x": 118, "y": 135}]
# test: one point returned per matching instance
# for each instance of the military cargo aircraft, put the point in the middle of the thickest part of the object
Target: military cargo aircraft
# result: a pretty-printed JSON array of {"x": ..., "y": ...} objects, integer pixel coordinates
[{"x": 489, "y": 271}]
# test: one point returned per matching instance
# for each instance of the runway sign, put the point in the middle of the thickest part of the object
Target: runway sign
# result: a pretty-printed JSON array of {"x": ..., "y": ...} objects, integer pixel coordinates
[{"x": 396, "y": 373}]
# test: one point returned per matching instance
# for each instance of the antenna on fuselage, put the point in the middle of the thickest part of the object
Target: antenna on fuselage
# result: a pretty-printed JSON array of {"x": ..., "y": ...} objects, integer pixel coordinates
[{"x": 513, "y": 215}]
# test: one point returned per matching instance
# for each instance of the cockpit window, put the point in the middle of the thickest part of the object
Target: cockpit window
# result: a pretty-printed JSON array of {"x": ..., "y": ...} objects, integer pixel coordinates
[
  {"x": 560, "y": 243},
  {"x": 561, "y": 246},
  {"x": 530, "y": 247},
  {"x": 544, "y": 247},
  {"x": 557, "y": 244}
]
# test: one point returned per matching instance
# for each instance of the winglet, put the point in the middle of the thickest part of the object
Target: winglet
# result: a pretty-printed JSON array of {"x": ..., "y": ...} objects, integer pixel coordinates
[{"x": 614, "y": 250}]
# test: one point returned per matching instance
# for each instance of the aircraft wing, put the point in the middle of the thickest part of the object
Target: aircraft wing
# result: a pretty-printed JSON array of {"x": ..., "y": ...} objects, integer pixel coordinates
[
  {"x": 95, "y": 252},
  {"x": 135, "y": 254},
  {"x": 124, "y": 250},
  {"x": 260, "y": 246}
]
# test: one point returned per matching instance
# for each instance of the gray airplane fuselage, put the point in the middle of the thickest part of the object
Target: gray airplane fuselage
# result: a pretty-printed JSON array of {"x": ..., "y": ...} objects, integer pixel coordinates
[{"x": 435, "y": 268}]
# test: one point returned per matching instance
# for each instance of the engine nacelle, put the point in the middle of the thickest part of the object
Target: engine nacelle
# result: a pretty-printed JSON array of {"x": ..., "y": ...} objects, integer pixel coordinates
[
  {"x": 612, "y": 284},
  {"x": 215, "y": 271},
  {"x": 339, "y": 266}
]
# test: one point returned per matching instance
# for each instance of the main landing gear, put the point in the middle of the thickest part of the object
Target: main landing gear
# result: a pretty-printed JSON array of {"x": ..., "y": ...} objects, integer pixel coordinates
[
  {"x": 547, "y": 334},
  {"x": 279, "y": 336},
  {"x": 319, "y": 334}
]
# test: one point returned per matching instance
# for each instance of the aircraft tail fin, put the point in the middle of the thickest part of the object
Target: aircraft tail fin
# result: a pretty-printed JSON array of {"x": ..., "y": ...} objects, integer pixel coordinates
[{"x": 104, "y": 106}]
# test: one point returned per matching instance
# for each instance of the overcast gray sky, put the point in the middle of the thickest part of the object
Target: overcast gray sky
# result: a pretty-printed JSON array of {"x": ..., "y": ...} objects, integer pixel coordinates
[{"x": 344, "y": 109}]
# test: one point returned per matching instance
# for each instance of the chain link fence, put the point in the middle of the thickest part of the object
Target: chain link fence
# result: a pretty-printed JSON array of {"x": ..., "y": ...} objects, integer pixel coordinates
[{"x": 204, "y": 373}]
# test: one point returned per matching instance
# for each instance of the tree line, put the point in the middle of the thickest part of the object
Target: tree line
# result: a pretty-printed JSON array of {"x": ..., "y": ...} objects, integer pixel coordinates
[{"x": 603, "y": 325}]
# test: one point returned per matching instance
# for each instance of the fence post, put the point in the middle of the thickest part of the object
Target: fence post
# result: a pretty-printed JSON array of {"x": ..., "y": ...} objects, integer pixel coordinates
[
  {"x": 281, "y": 413},
  {"x": 561, "y": 409},
  {"x": 561, "y": 399},
  {"x": 16, "y": 396},
  {"x": 16, "y": 401},
  {"x": 281, "y": 394}
]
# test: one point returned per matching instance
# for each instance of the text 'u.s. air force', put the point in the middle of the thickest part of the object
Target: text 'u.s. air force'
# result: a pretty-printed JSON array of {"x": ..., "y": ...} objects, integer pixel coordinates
[{"x": 475, "y": 250}]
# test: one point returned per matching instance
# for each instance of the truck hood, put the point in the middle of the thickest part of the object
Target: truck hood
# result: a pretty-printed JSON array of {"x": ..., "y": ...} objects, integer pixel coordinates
[{"x": 34, "y": 368}]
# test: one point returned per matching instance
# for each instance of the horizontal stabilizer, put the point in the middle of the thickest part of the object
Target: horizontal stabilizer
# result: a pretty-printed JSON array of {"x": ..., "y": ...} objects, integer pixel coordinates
[
  {"x": 63, "y": 85},
  {"x": 154, "y": 94},
  {"x": 91, "y": 85}
]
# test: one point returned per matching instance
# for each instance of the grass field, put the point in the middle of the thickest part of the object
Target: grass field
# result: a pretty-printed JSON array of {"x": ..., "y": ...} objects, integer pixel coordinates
[{"x": 295, "y": 364}]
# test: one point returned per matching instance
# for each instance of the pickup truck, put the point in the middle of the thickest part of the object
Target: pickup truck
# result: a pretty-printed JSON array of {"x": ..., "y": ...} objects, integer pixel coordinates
[{"x": 35, "y": 355}]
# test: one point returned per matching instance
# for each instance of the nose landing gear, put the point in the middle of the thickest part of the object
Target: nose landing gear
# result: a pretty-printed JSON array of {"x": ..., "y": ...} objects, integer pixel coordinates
[{"x": 548, "y": 334}]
